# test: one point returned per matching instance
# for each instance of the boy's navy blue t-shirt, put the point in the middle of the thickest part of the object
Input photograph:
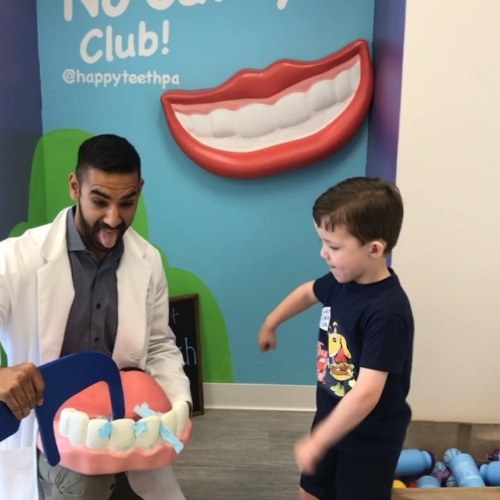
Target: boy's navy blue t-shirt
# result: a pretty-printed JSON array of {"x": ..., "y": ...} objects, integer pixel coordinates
[{"x": 369, "y": 326}]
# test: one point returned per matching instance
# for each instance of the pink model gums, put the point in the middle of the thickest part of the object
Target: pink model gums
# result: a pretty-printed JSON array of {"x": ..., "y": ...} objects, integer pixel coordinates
[
  {"x": 151, "y": 434},
  {"x": 288, "y": 115}
]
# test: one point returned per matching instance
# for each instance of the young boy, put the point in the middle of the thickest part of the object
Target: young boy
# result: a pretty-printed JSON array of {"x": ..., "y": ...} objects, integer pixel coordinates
[{"x": 364, "y": 347}]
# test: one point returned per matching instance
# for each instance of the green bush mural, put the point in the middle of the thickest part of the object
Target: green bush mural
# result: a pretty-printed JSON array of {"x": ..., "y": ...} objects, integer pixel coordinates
[{"x": 53, "y": 161}]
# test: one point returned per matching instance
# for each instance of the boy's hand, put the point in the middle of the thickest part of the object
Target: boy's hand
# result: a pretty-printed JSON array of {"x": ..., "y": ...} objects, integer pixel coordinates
[
  {"x": 21, "y": 388},
  {"x": 307, "y": 454},
  {"x": 266, "y": 339}
]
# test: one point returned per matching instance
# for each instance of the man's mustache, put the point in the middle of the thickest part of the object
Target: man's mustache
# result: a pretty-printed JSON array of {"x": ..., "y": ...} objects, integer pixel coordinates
[{"x": 102, "y": 225}]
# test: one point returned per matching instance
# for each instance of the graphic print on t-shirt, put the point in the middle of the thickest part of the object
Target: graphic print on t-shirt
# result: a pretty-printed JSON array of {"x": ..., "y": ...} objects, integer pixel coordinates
[{"x": 334, "y": 367}]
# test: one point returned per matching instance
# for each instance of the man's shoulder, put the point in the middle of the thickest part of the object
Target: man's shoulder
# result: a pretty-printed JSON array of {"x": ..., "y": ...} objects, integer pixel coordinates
[
  {"x": 34, "y": 237},
  {"x": 31, "y": 235}
]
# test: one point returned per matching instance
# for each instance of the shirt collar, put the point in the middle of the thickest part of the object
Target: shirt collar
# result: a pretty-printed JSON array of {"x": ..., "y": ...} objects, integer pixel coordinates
[{"x": 75, "y": 242}]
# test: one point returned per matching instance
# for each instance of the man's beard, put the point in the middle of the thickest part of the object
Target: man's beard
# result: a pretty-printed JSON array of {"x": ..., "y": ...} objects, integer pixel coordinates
[{"x": 90, "y": 233}]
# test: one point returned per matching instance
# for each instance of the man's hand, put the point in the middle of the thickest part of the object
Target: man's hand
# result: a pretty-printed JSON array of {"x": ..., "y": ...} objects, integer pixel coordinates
[{"x": 21, "y": 388}]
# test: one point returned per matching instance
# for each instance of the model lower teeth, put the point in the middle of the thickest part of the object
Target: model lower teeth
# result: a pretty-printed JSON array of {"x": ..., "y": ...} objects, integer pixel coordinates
[{"x": 124, "y": 434}]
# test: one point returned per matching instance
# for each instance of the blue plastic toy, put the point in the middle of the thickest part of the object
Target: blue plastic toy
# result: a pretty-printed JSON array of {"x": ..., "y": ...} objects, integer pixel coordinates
[{"x": 65, "y": 377}]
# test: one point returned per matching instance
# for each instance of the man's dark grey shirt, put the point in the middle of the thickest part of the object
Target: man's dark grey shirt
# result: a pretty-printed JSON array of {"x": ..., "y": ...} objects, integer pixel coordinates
[{"x": 93, "y": 318}]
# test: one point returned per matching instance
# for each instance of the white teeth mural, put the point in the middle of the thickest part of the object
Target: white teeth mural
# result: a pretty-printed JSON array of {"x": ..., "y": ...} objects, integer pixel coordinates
[
  {"x": 285, "y": 116},
  {"x": 121, "y": 435},
  {"x": 293, "y": 116}
]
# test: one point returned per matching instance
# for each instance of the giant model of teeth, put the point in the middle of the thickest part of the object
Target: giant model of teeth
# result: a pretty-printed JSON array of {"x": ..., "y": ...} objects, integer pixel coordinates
[
  {"x": 151, "y": 435},
  {"x": 288, "y": 115}
]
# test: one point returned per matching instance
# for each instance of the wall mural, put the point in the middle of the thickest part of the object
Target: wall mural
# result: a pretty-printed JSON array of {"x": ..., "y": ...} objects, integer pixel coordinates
[
  {"x": 120, "y": 66},
  {"x": 290, "y": 114}
]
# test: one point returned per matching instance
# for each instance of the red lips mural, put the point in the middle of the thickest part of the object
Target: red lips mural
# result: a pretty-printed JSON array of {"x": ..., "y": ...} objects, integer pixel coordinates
[{"x": 288, "y": 115}]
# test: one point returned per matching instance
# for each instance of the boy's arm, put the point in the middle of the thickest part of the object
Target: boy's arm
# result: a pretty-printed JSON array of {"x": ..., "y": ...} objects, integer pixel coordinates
[
  {"x": 297, "y": 301},
  {"x": 351, "y": 411}
]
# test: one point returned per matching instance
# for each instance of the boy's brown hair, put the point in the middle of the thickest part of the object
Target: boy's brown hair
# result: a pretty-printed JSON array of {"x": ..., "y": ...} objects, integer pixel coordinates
[{"x": 369, "y": 208}]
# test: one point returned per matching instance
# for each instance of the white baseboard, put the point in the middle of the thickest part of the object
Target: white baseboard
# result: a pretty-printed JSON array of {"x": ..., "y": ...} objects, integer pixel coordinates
[{"x": 260, "y": 396}]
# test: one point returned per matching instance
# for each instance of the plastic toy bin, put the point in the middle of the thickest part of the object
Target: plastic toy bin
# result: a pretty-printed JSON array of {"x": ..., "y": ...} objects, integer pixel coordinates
[{"x": 476, "y": 439}]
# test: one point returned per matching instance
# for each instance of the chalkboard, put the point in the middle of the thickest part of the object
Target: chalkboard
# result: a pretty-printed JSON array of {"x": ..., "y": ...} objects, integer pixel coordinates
[{"x": 184, "y": 321}]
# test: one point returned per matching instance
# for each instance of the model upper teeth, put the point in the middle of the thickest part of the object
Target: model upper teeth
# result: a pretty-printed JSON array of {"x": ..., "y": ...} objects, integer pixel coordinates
[
  {"x": 295, "y": 114},
  {"x": 121, "y": 435}
]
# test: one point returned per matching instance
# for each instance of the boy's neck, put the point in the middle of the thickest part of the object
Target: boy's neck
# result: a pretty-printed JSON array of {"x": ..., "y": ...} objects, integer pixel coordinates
[{"x": 374, "y": 275}]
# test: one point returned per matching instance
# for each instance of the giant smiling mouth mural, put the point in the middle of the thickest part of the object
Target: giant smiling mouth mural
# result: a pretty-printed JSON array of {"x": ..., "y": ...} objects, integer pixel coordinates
[{"x": 288, "y": 115}]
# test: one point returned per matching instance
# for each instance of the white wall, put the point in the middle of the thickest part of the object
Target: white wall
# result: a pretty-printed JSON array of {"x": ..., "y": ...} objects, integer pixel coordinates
[{"x": 449, "y": 172}]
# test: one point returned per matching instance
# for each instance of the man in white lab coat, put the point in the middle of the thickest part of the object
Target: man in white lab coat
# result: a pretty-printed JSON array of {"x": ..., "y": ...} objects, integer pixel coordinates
[{"x": 85, "y": 281}]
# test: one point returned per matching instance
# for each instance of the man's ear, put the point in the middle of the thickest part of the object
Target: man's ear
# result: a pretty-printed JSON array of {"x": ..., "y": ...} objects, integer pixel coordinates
[
  {"x": 74, "y": 186},
  {"x": 377, "y": 248}
]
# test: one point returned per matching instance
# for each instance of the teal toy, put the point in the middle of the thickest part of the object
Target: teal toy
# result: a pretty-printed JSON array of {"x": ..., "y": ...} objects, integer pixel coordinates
[
  {"x": 428, "y": 482},
  {"x": 465, "y": 471},
  {"x": 413, "y": 462},
  {"x": 491, "y": 473}
]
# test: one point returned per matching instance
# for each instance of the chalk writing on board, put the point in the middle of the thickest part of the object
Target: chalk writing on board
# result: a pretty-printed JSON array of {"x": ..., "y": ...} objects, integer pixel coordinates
[{"x": 184, "y": 321}]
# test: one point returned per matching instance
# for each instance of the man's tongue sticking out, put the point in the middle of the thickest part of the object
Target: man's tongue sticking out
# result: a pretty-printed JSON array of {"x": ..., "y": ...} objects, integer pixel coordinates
[{"x": 108, "y": 237}]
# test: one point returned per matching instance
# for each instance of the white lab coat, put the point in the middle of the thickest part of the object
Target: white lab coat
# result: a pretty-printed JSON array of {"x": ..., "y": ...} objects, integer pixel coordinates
[{"x": 36, "y": 293}]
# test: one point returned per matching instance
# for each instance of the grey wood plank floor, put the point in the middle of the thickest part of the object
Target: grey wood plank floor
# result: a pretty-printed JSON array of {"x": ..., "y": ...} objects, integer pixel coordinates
[{"x": 242, "y": 455}]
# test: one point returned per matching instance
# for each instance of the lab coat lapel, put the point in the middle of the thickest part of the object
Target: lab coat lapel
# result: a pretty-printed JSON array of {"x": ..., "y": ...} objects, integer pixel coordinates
[{"x": 55, "y": 291}]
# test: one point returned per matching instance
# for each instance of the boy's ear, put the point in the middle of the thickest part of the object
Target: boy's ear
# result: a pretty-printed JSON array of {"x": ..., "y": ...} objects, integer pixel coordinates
[{"x": 377, "y": 248}]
